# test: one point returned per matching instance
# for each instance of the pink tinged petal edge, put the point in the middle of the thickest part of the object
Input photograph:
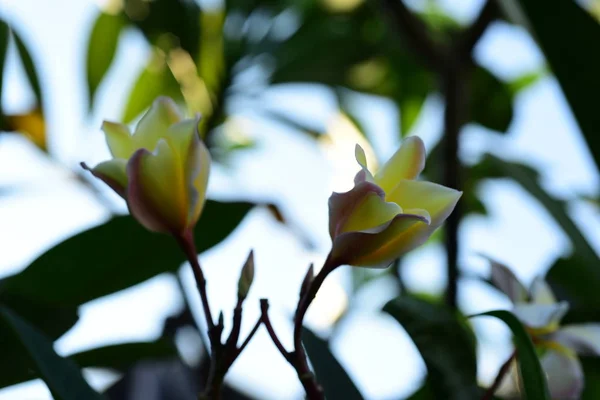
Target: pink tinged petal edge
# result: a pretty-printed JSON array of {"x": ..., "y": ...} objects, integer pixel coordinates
[
  {"x": 137, "y": 200},
  {"x": 407, "y": 163},
  {"x": 505, "y": 280},
  {"x": 540, "y": 315},
  {"x": 582, "y": 338},
  {"x": 374, "y": 247},
  {"x": 564, "y": 374},
  {"x": 341, "y": 205},
  {"x": 112, "y": 183}
]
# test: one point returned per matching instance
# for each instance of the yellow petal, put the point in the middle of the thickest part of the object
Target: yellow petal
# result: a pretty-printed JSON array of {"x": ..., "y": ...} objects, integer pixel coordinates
[
  {"x": 118, "y": 139},
  {"x": 154, "y": 124},
  {"x": 437, "y": 200},
  {"x": 378, "y": 247},
  {"x": 361, "y": 158},
  {"x": 372, "y": 212},
  {"x": 112, "y": 173},
  {"x": 406, "y": 163},
  {"x": 157, "y": 194}
]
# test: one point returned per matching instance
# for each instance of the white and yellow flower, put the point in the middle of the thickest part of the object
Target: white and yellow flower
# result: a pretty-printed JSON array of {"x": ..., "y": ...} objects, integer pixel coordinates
[
  {"x": 390, "y": 213},
  {"x": 540, "y": 313},
  {"x": 161, "y": 170}
]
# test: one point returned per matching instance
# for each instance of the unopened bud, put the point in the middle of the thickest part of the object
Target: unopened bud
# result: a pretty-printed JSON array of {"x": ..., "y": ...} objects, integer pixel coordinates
[
  {"x": 308, "y": 278},
  {"x": 246, "y": 277}
]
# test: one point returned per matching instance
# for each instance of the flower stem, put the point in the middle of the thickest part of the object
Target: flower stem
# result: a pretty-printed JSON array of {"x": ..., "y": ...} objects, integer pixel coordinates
[
  {"x": 489, "y": 393},
  {"x": 298, "y": 357}
]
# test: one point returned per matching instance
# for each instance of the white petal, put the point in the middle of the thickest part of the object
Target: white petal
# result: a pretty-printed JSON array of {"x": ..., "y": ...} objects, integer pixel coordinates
[
  {"x": 540, "y": 292},
  {"x": 582, "y": 338},
  {"x": 540, "y": 315},
  {"x": 564, "y": 373}
]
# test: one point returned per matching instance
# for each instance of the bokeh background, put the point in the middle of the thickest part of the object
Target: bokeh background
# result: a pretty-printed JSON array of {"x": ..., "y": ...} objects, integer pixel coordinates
[{"x": 287, "y": 89}]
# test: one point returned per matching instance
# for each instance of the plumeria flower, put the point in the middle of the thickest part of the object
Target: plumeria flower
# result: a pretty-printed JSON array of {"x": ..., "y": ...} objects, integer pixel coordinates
[
  {"x": 389, "y": 213},
  {"x": 540, "y": 313},
  {"x": 161, "y": 170}
]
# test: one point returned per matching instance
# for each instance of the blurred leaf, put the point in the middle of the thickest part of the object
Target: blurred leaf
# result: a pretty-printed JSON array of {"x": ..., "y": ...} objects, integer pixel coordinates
[
  {"x": 534, "y": 379},
  {"x": 326, "y": 45},
  {"x": 330, "y": 374},
  {"x": 31, "y": 125},
  {"x": 491, "y": 101},
  {"x": 101, "y": 49},
  {"x": 567, "y": 35},
  {"x": 51, "y": 320},
  {"x": 591, "y": 369},
  {"x": 445, "y": 343},
  {"x": 4, "y": 37},
  {"x": 410, "y": 109},
  {"x": 117, "y": 357},
  {"x": 577, "y": 281},
  {"x": 120, "y": 357},
  {"x": 528, "y": 178},
  {"x": 62, "y": 375},
  {"x": 115, "y": 256},
  {"x": 155, "y": 80},
  {"x": 167, "y": 23},
  {"x": 526, "y": 80},
  {"x": 30, "y": 69},
  {"x": 425, "y": 392}
]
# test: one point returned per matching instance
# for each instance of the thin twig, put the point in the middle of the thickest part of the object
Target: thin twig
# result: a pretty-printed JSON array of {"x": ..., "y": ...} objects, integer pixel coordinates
[
  {"x": 264, "y": 309},
  {"x": 415, "y": 32},
  {"x": 250, "y": 336},
  {"x": 489, "y": 393}
]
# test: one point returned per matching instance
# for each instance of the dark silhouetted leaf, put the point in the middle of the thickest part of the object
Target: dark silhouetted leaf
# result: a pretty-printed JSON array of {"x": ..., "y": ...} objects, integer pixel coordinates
[
  {"x": 30, "y": 69},
  {"x": 115, "y": 256},
  {"x": 4, "y": 38},
  {"x": 445, "y": 343},
  {"x": 591, "y": 369},
  {"x": 101, "y": 50},
  {"x": 568, "y": 35},
  {"x": 576, "y": 281},
  {"x": 122, "y": 356},
  {"x": 534, "y": 379},
  {"x": 331, "y": 375},
  {"x": 491, "y": 101},
  {"x": 167, "y": 23},
  {"x": 62, "y": 375}
]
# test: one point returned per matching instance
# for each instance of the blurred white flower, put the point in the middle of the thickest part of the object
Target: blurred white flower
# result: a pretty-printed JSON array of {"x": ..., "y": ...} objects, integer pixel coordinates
[{"x": 540, "y": 313}]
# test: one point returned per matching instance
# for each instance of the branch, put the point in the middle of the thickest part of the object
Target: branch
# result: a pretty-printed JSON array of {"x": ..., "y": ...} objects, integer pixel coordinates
[
  {"x": 264, "y": 309},
  {"x": 472, "y": 35},
  {"x": 415, "y": 32},
  {"x": 489, "y": 393}
]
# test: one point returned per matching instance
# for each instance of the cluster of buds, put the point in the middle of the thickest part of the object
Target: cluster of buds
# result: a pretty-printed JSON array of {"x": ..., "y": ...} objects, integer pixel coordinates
[{"x": 161, "y": 170}]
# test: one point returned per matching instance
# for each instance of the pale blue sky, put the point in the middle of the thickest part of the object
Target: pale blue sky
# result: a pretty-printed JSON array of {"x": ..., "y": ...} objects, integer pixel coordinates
[{"x": 51, "y": 206}]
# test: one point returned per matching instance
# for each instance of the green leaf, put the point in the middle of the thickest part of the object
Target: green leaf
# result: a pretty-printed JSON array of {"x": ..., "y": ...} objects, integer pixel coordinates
[
  {"x": 167, "y": 23},
  {"x": 567, "y": 35},
  {"x": 118, "y": 357},
  {"x": 115, "y": 256},
  {"x": 330, "y": 374},
  {"x": 62, "y": 375},
  {"x": 491, "y": 101},
  {"x": 4, "y": 38},
  {"x": 410, "y": 110},
  {"x": 591, "y": 369},
  {"x": 445, "y": 342},
  {"x": 574, "y": 280},
  {"x": 534, "y": 380},
  {"x": 30, "y": 68},
  {"x": 101, "y": 49},
  {"x": 155, "y": 80},
  {"x": 526, "y": 80}
]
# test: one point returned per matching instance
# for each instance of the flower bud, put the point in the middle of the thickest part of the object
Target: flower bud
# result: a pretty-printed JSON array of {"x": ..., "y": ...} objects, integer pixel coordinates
[
  {"x": 246, "y": 277},
  {"x": 161, "y": 170}
]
